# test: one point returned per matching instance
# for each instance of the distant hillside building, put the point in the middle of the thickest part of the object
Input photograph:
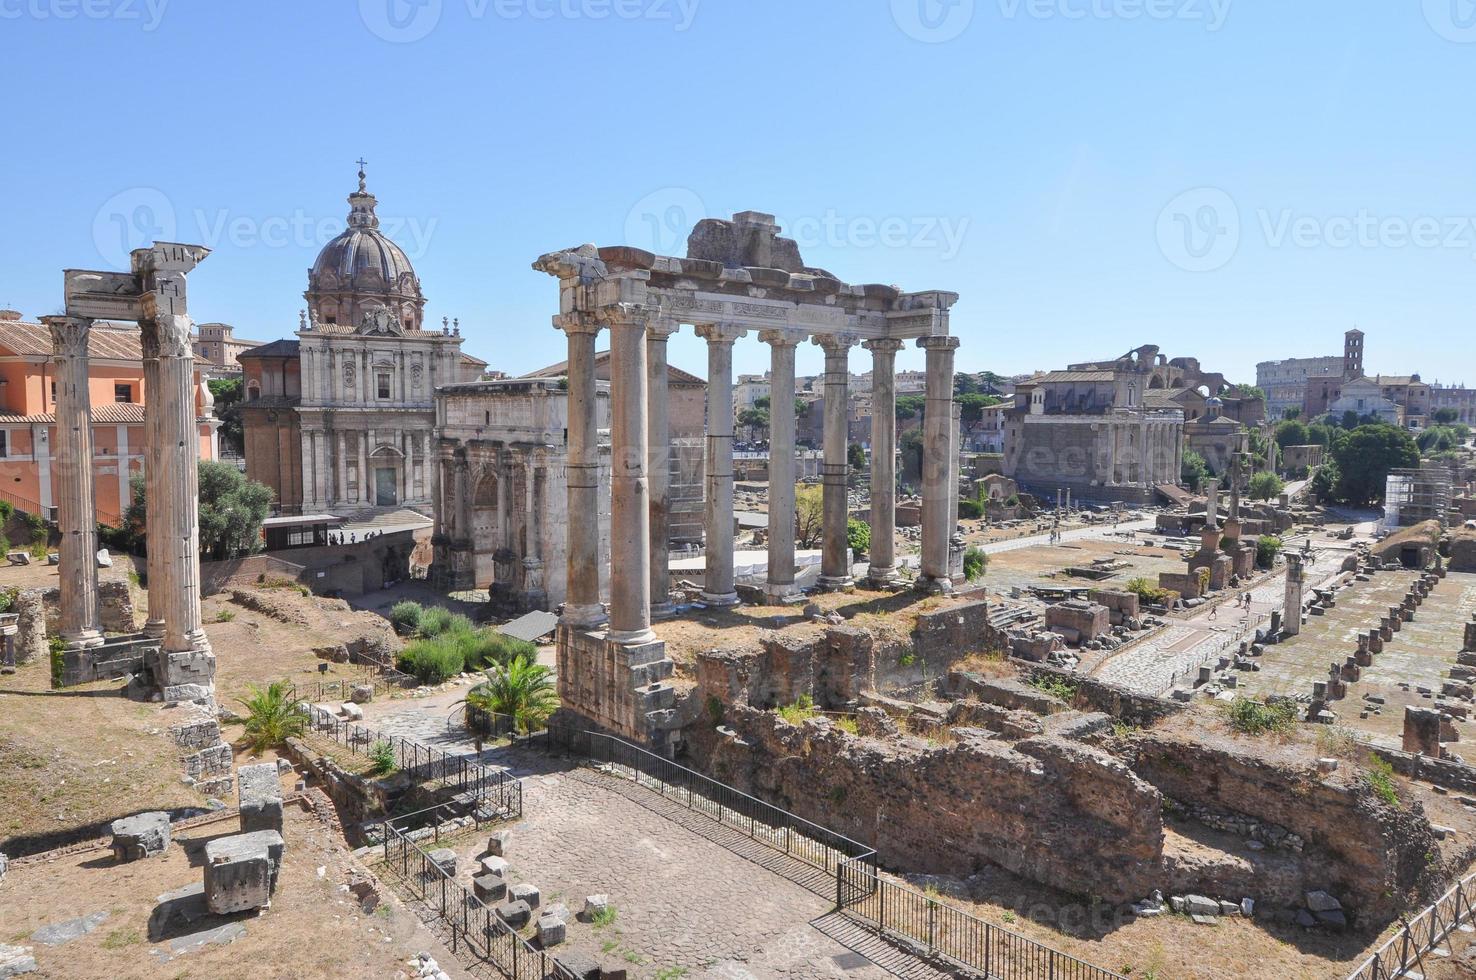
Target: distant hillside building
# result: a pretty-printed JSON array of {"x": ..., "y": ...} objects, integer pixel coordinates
[{"x": 219, "y": 349}]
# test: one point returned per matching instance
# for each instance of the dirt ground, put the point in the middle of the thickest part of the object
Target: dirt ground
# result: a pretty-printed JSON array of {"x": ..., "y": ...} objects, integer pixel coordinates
[{"x": 314, "y": 929}]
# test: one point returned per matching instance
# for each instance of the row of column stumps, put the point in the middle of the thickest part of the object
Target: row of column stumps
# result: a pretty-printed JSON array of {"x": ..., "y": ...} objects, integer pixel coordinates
[
  {"x": 639, "y": 580},
  {"x": 153, "y": 294}
]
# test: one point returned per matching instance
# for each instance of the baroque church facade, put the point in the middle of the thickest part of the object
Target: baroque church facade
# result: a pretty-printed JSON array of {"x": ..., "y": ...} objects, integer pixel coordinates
[{"x": 350, "y": 403}]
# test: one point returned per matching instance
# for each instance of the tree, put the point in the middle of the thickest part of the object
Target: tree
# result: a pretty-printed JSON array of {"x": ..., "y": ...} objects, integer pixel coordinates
[
  {"x": 763, "y": 402},
  {"x": 1268, "y": 546},
  {"x": 858, "y": 536},
  {"x": 227, "y": 393},
  {"x": 1444, "y": 416},
  {"x": 1437, "y": 439},
  {"x": 272, "y": 716},
  {"x": 990, "y": 382},
  {"x": 1264, "y": 486},
  {"x": 964, "y": 384},
  {"x": 755, "y": 420},
  {"x": 1292, "y": 433},
  {"x": 1193, "y": 470},
  {"x": 911, "y": 445},
  {"x": 975, "y": 561},
  {"x": 856, "y": 456},
  {"x": 1350, "y": 420},
  {"x": 973, "y": 405},
  {"x": 522, "y": 690},
  {"x": 809, "y": 518},
  {"x": 1291, "y": 414},
  {"x": 910, "y": 406},
  {"x": 1325, "y": 480},
  {"x": 231, "y": 511},
  {"x": 1364, "y": 458},
  {"x": 1243, "y": 390}
]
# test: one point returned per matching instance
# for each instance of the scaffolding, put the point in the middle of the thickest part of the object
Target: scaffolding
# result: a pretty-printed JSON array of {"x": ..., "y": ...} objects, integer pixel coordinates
[{"x": 1413, "y": 496}]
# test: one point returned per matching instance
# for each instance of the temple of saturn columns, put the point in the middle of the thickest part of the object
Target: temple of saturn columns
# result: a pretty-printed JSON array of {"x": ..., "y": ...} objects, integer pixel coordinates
[
  {"x": 172, "y": 657},
  {"x": 738, "y": 277}
]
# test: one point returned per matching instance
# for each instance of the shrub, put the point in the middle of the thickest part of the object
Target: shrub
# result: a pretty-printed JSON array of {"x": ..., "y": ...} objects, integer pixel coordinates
[
  {"x": 438, "y": 621},
  {"x": 975, "y": 561},
  {"x": 225, "y": 615},
  {"x": 1268, "y": 546},
  {"x": 1144, "y": 589},
  {"x": 58, "y": 666},
  {"x": 800, "y": 711},
  {"x": 858, "y": 535},
  {"x": 272, "y": 716},
  {"x": 848, "y": 725},
  {"x": 522, "y": 689},
  {"x": 970, "y": 509},
  {"x": 1056, "y": 687},
  {"x": 432, "y": 661},
  {"x": 1264, "y": 486},
  {"x": 1251, "y": 716},
  {"x": 382, "y": 759},
  {"x": 1380, "y": 778},
  {"x": 405, "y": 617}
]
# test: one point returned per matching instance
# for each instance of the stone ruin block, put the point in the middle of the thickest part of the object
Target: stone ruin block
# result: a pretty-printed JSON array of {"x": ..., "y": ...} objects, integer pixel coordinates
[
  {"x": 846, "y": 666},
  {"x": 1122, "y": 607},
  {"x": 789, "y": 668},
  {"x": 489, "y": 888},
  {"x": 142, "y": 835},
  {"x": 1422, "y": 731},
  {"x": 241, "y": 871},
  {"x": 1364, "y": 656},
  {"x": 183, "y": 676},
  {"x": 1351, "y": 672},
  {"x": 551, "y": 931},
  {"x": 526, "y": 893},
  {"x": 361, "y": 693},
  {"x": 1470, "y": 641},
  {"x": 1457, "y": 689},
  {"x": 1375, "y": 641},
  {"x": 515, "y": 913},
  {"x": 1084, "y": 620},
  {"x": 1386, "y": 629},
  {"x": 261, "y": 797}
]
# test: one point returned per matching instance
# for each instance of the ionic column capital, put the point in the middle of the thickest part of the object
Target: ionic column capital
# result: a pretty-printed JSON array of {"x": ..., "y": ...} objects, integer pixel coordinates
[
  {"x": 931, "y": 344},
  {"x": 883, "y": 345},
  {"x": 69, "y": 334},
  {"x": 782, "y": 337},
  {"x": 721, "y": 333},
  {"x": 577, "y": 323},
  {"x": 835, "y": 343}
]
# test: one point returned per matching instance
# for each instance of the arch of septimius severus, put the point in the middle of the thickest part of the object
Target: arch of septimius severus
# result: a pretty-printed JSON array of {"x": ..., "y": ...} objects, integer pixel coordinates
[
  {"x": 738, "y": 278},
  {"x": 173, "y": 655}
]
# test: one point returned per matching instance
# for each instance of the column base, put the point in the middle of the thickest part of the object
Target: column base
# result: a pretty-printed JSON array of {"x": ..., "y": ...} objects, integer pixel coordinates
[
  {"x": 82, "y": 640},
  {"x": 782, "y": 594},
  {"x": 631, "y": 638},
  {"x": 154, "y": 628},
  {"x": 722, "y": 600},
  {"x": 837, "y": 583},
  {"x": 584, "y": 617},
  {"x": 663, "y": 610},
  {"x": 881, "y": 576},
  {"x": 934, "y": 586}
]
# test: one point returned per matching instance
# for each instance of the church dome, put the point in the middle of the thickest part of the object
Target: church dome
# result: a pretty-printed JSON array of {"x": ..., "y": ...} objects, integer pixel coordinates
[{"x": 362, "y": 271}]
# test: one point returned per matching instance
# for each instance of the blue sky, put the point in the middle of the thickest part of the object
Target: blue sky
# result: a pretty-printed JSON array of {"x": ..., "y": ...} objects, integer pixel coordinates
[{"x": 1231, "y": 179}]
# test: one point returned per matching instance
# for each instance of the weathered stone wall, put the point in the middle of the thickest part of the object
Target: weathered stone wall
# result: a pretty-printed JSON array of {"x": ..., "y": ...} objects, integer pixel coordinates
[
  {"x": 1367, "y": 853},
  {"x": 116, "y": 610},
  {"x": 30, "y": 639},
  {"x": 833, "y": 669},
  {"x": 1054, "y": 811},
  {"x": 1132, "y": 707}
]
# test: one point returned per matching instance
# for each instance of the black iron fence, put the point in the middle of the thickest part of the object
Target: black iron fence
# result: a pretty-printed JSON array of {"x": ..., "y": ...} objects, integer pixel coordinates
[
  {"x": 493, "y": 790},
  {"x": 950, "y": 933},
  {"x": 473, "y": 926},
  {"x": 343, "y": 689},
  {"x": 1418, "y": 938}
]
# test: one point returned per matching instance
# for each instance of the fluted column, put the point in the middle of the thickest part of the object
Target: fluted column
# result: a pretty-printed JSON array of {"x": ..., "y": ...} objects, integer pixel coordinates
[
  {"x": 883, "y": 568},
  {"x": 176, "y": 486},
  {"x": 835, "y": 563},
  {"x": 73, "y": 489},
  {"x": 630, "y": 505},
  {"x": 937, "y": 464},
  {"x": 780, "y": 586},
  {"x": 582, "y": 607},
  {"x": 718, "y": 588},
  {"x": 658, "y": 462},
  {"x": 154, "y": 626}
]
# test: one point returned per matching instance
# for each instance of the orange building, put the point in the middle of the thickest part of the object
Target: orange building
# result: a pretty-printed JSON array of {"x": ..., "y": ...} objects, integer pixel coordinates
[{"x": 28, "y": 404}]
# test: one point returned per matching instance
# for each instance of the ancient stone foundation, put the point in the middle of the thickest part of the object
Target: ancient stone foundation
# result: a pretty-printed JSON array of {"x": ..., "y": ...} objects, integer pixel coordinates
[{"x": 618, "y": 688}]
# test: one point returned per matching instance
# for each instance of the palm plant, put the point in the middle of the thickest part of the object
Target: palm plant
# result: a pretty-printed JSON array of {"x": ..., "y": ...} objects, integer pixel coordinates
[
  {"x": 523, "y": 689},
  {"x": 272, "y": 716}
]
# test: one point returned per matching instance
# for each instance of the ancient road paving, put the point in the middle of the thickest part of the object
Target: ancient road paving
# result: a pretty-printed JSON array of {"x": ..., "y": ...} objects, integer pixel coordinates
[{"x": 687, "y": 898}]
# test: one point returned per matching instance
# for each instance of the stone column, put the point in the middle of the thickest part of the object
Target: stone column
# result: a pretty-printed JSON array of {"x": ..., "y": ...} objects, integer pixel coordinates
[
  {"x": 76, "y": 515},
  {"x": 883, "y": 569},
  {"x": 782, "y": 481},
  {"x": 938, "y": 451},
  {"x": 718, "y": 587},
  {"x": 658, "y": 462},
  {"x": 630, "y": 505},
  {"x": 835, "y": 565},
  {"x": 153, "y": 460},
  {"x": 1295, "y": 580},
  {"x": 582, "y": 608}
]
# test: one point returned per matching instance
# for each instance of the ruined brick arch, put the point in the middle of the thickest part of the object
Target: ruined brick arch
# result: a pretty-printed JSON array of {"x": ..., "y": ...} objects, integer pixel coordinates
[{"x": 1157, "y": 383}]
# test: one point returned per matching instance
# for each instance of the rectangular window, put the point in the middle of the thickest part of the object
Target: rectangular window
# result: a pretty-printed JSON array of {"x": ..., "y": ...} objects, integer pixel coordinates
[
  {"x": 382, "y": 383},
  {"x": 4, "y": 443},
  {"x": 123, "y": 394}
]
